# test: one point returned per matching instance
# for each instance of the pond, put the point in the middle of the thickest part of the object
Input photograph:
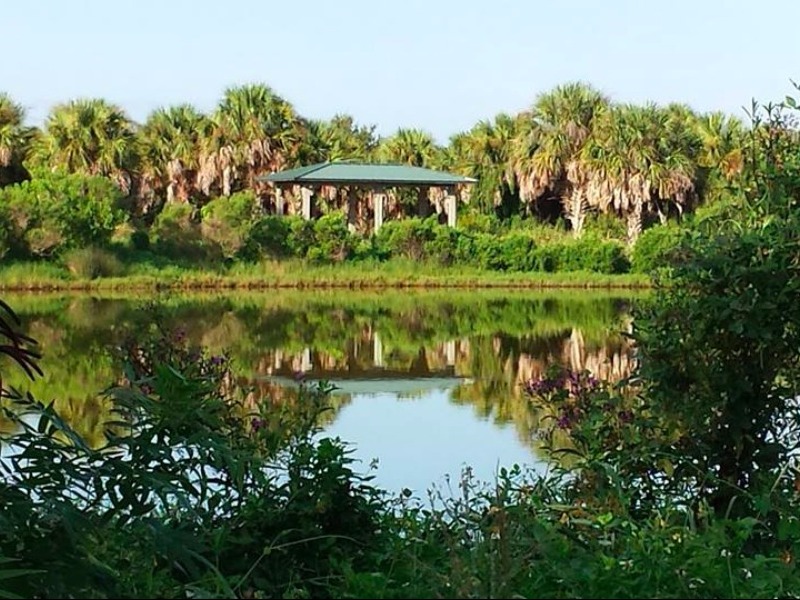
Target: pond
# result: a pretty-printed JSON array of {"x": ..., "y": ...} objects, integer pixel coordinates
[{"x": 427, "y": 383}]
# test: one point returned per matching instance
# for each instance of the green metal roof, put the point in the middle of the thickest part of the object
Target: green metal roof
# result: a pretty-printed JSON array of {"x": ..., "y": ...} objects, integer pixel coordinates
[{"x": 343, "y": 173}]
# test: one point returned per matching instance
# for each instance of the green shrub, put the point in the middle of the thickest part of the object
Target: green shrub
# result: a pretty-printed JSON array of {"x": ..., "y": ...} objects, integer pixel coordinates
[
  {"x": 720, "y": 341},
  {"x": 368, "y": 249},
  {"x": 406, "y": 238},
  {"x": 447, "y": 246},
  {"x": 605, "y": 226},
  {"x": 584, "y": 254},
  {"x": 655, "y": 248},
  {"x": 475, "y": 222},
  {"x": 515, "y": 252},
  {"x": 466, "y": 249},
  {"x": 93, "y": 263},
  {"x": 510, "y": 252},
  {"x": 546, "y": 258},
  {"x": 333, "y": 241},
  {"x": 607, "y": 257},
  {"x": 268, "y": 236},
  {"x": 193, "y": 501},
  {"x": 55, "y": 212},
  {"x": 5, "y": 236},
  {"x": 301, "y": 236},
  {"x": 484, "y": 250},
  {"x": 176, "y": 234},
  {"x": 140, "y": 240},
  {"x": 121, "y": 237},
  {"x": 8, "y": 239},
  {"x": 227, "y": 221}
]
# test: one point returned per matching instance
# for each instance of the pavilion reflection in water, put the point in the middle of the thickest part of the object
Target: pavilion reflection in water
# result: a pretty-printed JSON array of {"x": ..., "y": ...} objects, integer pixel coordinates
[
  {"x": 362, "y": 367},
  {"x": 355, "y": 375}
]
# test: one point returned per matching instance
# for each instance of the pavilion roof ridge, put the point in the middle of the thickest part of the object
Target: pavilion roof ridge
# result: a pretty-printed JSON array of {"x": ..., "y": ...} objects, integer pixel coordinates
[{"x": 352, "y": 172}]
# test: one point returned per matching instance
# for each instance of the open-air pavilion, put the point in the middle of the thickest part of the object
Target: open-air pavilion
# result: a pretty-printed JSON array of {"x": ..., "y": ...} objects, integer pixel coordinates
[{"x": 375, "y": 179}]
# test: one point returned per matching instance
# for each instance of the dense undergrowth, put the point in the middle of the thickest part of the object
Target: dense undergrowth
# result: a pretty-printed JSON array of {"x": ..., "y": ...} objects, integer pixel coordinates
[{"x": 203, "y": 490}]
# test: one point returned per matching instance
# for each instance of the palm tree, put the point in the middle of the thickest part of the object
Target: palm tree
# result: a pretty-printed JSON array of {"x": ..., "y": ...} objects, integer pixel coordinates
[
  {"x": 484, "y": 152},
  {"x": 14, "y": 140},
  {"x": 313, "y": 147},
  {"x": 547, "y": 152},
  {"x": 343, "y": 139},
  {"x": 170, "y": 146},
  {"x": 637, "y": 159},
  {"x": 412, "y": 147},
  {"x": 680, "y": 147},
  {"x": 721, "y": 156},
  {"x": 253, "y": 131},
  {"x": 88, "y": 136}
]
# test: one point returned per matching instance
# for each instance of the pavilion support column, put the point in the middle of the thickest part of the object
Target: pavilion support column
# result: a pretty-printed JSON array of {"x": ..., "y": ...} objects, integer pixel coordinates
[
  {"x": 306, "y": 194},
  {"x": 450, "y": 207},
  {"x": 378, "y": 202},
  {"x": 352, "y": 211},
  {"x": 279, "y": 201}
]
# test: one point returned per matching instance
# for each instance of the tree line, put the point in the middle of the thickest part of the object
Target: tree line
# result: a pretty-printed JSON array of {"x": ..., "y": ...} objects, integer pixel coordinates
[{"x": 573, "y": 152}]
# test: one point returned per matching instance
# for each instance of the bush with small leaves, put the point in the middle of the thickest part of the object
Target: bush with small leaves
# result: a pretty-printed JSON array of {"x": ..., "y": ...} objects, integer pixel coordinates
[
  {"x": 657, "y": 248},
  {"x": 54, "y": 212},
  {"x": 227, "y": 222},
  {"x": 268, "y": 237},
  {"x": 176, "y": 234}
]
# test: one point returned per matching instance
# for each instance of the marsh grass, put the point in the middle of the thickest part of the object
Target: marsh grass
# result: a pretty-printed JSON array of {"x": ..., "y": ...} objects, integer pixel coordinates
[{"x": 293, "y": 273}]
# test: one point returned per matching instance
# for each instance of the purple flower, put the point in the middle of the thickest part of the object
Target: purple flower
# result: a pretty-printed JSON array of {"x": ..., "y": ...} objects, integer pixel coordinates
[
  {"x": 146, "y": 389},
  {"x": 257, "y": 423},
  {"x": 217, "y": 360},
  {"x": 299, "y": 376},
  {"x": 564, "y": 422}
]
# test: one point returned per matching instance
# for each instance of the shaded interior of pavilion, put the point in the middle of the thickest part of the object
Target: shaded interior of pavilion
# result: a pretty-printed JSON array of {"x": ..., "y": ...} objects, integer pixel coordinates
[{"x": 367, "y": 193}]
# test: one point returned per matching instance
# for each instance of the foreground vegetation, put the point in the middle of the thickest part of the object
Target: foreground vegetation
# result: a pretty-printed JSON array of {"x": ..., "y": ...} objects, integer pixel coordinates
[{"x": 684, "y": 484}]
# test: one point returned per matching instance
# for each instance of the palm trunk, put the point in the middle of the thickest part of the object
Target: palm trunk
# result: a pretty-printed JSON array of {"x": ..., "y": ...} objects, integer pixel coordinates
[
  {"x": 663, "y": 211},
  {"x": 575, "y": 211},
  {"x": 226, "y": 181},
  {"x": 634, "y": 222},
  {"x": 183, "y": 190}
]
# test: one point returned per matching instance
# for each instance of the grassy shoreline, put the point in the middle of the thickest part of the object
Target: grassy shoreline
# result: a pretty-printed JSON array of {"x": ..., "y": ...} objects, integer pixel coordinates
[{"x": 36, "y": 277}]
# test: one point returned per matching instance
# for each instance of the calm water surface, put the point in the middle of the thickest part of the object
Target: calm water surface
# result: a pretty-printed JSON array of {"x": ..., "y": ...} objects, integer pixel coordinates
[{"x": 427, "y": 382}]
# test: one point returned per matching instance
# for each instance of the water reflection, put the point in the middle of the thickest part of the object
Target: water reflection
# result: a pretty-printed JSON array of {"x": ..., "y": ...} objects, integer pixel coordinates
[{"x": 461, "y": 357}]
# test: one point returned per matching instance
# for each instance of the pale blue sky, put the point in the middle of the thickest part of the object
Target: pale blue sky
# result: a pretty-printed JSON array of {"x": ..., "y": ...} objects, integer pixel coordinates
[{"x": 440, "y": 65}]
